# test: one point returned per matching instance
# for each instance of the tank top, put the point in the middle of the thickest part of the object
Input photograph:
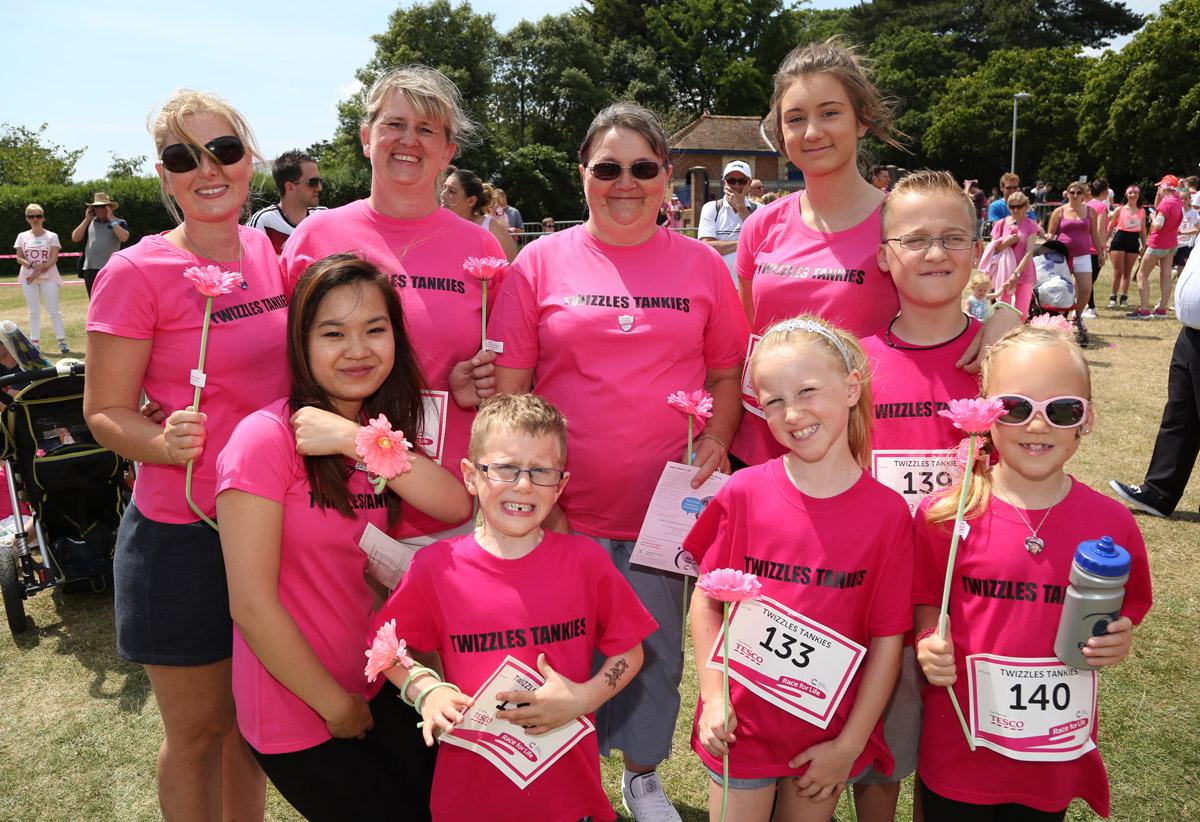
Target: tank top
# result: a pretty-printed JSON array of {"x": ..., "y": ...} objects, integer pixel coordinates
[
  {"x": 1131, "y": 220},
  {"x": 1076, "y": 233}
]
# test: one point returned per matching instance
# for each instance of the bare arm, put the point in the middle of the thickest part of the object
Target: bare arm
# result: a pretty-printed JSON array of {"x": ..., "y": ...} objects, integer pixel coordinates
[
  {"x": 80, "y": 231},
  {"x": 725, "y": 385},
  {"x": 746, "y": 294},
  {"x": 121, "y": 233},
  {"x": 1055, "y": 219},
  {"x": 500, "y": 232},
  {"x": 513, "y": 380},
  {"x": 705, "y": 617},
  {"x": 722, "y": 247}
]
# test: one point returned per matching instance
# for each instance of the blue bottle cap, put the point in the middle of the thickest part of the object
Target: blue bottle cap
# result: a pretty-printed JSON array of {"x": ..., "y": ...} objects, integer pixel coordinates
[{"x": 1102, "y": 557}]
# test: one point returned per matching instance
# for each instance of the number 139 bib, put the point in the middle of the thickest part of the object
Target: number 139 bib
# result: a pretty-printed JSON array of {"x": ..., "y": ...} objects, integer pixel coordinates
[{"x": 1036, "y": 710}]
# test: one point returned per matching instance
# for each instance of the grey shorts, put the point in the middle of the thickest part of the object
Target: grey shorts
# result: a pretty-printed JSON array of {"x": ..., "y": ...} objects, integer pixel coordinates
[
  {"x": 902, "y": 722},
  {"x": 757, "y": 783},
  {"x": 1159, "y": 252}
]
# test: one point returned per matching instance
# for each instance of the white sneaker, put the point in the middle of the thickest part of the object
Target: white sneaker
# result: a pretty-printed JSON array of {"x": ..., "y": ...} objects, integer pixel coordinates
[
  {"x": 1089, "y": 314},
  {"x": 644, "y": 799}
]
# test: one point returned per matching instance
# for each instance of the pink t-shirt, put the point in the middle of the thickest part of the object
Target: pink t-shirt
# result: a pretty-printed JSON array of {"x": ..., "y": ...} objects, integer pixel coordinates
[
  {"x": 37, "y": 249},
  {"x": 443, "y": 306},
  {"x": 1100, "y": 208},
  {"x": 143, "y": 295},
  {"x": 1172, "y": 211},
  {"x": 855, "y": 580},
  {"x": 1024, "y": 230},
  {"x": 321, "y": 583},
  {"x": 564, "y": 599},
  {"x": 610, "y": 331},
  {"x": 909, "y": 387},
  {"x": 1005, "y": 601},
  {"x": 795, "y": 269}
]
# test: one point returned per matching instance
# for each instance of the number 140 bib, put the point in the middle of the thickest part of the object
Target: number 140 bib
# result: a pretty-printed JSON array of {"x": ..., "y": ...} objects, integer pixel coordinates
[{"x": 791, "y": 661}]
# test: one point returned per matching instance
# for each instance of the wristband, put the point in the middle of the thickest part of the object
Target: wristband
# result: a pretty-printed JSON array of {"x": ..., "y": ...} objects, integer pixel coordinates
[
  {"x": 420, "y": 700},
  {"x": 927, "y": 632},
  {"x": 413, "y": 673},
  {"x": 715, "y": 439}
]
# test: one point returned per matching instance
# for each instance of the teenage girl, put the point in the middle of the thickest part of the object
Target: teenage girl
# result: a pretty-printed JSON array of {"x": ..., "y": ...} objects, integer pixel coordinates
[
  {"x": 843, "y": 562},
  {"x": 1026, "y": 517},
  {"x": 1078, "y": 225},
  {"x": 1128, "y": 239}
]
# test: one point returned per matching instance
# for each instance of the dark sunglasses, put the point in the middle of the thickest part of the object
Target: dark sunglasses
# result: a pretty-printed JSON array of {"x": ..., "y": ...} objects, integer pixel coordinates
[
  {"x": 737, "y": 181},
  {"x": 642, "y": 170},
  {"x": 182, "y": 157},
  {"x": 1061, "y": 412},
  {"x": 313, "y": 182},
  {"x": 35, "y": 216}
]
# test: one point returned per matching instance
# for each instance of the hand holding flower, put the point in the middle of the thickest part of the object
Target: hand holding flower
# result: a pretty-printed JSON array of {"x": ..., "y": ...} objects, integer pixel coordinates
[
  {"x": 183, "y": 435},
  {"x": 473, "y": 381},
  {"x": 716, "y": 726},
  {"x": 936, "y": 658}
]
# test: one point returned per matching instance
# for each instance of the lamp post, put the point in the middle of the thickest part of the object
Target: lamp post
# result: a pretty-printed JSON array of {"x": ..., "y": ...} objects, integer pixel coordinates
[{"x": 1020, "y": 96}]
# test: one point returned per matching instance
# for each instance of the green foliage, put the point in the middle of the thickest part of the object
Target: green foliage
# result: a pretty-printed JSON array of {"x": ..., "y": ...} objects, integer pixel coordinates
[
  {"x": 543, "y": 181},
  {"x": 27, "y": 158},
  {"x": 125, "y": 166}
]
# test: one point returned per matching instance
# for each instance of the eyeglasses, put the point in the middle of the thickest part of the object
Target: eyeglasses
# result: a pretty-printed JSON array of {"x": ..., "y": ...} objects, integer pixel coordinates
[
  {"x": 182, "y": 157},
  {"x": 503, "y": 472},
  {"x": 35, "y": 216},
  {"x": 1075, "y": 192},
  {"x": 313, "y": 182},
  {"x": 642, "y": 170},
  {"x": 736, "y": 181},
  {"x": 921, "y": 242},
  {"x": 1061, "y": 412}
]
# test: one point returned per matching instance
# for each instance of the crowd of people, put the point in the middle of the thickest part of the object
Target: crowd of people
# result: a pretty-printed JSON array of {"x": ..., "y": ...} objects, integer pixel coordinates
[{"x": 509, "y": 529}]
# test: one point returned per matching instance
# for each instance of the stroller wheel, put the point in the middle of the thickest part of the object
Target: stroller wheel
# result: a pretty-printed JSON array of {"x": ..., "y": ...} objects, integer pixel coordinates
[{"x": 14, "y": 603}]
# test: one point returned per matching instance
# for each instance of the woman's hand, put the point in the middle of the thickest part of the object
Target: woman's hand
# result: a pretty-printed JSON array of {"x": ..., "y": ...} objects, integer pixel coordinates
[
  {"x": 353, "y": 719},
  {"x": 322, "y": 433},
  {"x": 710, "y": 456},
  {"x": 473, "y": 381},
  {"x": 183, "y": 435},
  {"x": 1111, "y": 648},
  {"x": 714, "y": 733}
]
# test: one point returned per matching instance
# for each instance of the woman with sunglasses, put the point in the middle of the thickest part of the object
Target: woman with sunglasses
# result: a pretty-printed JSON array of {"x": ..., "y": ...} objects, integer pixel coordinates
[
  {"x": 604, "y": 320},
  {"x": 1127, "y": 239},
  {"x": 144, "y": 334},
  {"x": 37, "y": 254},
  {"x": 470, "y": 198},
  {"x": 1026, "y": 517},
  {"x": 413, "y": 126},
  {"x": 1078, "y": 225}
]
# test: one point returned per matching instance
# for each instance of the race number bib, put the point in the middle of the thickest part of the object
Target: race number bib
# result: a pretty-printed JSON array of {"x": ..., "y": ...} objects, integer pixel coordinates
[
  {"x": 749, "y": 397},
  {"x": 1035, "y": 710},
  {"x": 795, "y": 663},
  {"x": 433, "y": 432},
  {"x": 913, "y": 475}
]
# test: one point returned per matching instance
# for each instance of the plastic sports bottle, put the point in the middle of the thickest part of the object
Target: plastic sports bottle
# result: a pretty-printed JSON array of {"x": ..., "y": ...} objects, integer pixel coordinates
[{"x": 1093, "y": 599}]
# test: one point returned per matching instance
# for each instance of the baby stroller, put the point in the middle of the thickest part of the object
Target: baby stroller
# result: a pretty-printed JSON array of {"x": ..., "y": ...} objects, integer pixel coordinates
[
  {"x": 1054, "y": 292},
  {"x": 74, "y": 488}
]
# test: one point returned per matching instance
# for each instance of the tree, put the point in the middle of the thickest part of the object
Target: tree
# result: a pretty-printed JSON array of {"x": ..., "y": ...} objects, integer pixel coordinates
[
  {"x": 1141, "y": 107},
  {"x": 122, "y": 167},
  {"x": 544, "y": 181},
  {"x": 27, "y": 158}
]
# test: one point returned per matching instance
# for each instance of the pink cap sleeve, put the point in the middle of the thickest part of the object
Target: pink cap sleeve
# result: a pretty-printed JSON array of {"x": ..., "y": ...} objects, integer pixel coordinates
[
  {"x": 260, "y": 457},
  {"x": 515, "y": 319},
  {"x": 727, "y": 330},
  {"x": 622, "y": 619},
  {"x": 412, "y": 606},
  {"x": 122, "y": 303}
]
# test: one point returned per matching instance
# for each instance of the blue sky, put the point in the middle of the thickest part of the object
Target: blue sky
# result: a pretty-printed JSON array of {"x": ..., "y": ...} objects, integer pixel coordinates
[{"x": 94, "y": 71}]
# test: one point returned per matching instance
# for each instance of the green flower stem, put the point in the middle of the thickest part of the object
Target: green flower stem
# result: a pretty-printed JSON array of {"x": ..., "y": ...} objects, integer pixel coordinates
[
  {"x": 683, "y": 631},
  {"x": 944, "y": 616},
  {"x": 725, "y": 665},
  {"x": 484, "y": 326},
  {"x": 187, "y": 485}
]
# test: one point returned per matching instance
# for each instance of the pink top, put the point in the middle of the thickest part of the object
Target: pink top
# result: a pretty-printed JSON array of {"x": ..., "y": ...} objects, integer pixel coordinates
[
  {"x": 321, "y": 581},
  {"x": 443, "y": 305},
  {"x": 796, "y": 269},
  {"x": 1007, "y": 602},
  {"x": 1131, "y": 220},
  {"x": 143, "y": 295},
  {"x": 564, "y": 599},
  {"x": 36, "y": 249},
  {"x": 1076, "y": 233},
  {"x": 1172, "y": 211},
  {"x": 610, "y": 331},
  {"x": 1024, "y": 230},
  {"x": 853, "y": 580},
  {"x": 1101, "y": 209}
]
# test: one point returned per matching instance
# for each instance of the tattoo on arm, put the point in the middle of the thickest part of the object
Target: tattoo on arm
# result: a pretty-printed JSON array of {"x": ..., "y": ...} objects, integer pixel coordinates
[{"x": 614, "y": 674}]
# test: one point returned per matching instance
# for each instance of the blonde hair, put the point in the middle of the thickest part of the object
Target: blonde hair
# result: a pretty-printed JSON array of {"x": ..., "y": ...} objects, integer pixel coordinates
[
  {"x": 526, "y": 414},
  {"x": 431, "y": 93},
  {"x": 170, "y": 122},
  {"x": 1017, "y": 199},
  {"x": 978, "y": 279},
  {"x": 945, "y": 507},
  {"x": 846, "y": 351},
  {"x": 38, "y": 206},
  {"x": 871, "y": 107},
  {"x": 927, "y": 182}
]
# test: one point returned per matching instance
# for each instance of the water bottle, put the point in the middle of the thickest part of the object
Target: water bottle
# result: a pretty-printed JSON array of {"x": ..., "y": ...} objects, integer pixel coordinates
[{"x": 1093, "y": 599}]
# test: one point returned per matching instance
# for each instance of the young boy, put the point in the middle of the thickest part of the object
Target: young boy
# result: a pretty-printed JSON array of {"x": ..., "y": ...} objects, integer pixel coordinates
[
  {"x": 928, "y": 243},
  {"x": 511, "y": 588}
]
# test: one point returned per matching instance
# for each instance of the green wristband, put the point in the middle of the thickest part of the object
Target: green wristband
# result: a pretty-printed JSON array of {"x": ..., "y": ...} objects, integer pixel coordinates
[
  {"x": 420, "y": 700},
  {"x": 413, "y": 673}
]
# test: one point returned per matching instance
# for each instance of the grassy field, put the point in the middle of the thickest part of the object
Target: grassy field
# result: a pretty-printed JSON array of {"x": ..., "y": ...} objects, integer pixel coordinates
[{"x": 79, "y": 728}]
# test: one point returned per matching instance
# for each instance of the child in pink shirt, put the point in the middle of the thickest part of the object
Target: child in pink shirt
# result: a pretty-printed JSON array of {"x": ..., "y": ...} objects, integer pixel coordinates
[
  {"x": 788, "y": 522},
  {"x": 1026, "y": 517},
  {"x": 550, "y": 600}
]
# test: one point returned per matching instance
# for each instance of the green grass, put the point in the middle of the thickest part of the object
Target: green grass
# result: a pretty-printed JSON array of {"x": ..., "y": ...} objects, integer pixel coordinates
[{"x": 79, "y": 728}]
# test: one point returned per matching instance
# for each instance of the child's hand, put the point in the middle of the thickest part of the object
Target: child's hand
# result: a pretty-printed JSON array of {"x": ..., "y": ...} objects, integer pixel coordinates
[
  {"x": 1113, "y": 647},
  {"x": 829, "y": 765},
  {"x": 556, "y": 703},
  {"x": 443, "y": 709},
  {"x": 353, "y": 720},
  {"x": 936, "y": 657},
  {"x": 715, "y": 735}
]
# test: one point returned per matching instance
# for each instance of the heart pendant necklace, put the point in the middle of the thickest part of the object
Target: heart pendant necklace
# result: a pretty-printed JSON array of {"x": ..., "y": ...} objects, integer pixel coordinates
[{"x": 1033, "y": 543}]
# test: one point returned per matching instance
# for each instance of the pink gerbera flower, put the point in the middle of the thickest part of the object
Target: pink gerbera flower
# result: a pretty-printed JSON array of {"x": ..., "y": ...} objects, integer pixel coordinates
[
  {"x": 386, "y": 651},
  {"x": 1051, "y": 322},
  {"x": 975, "y": 416},
  {"x": 383, "y": 451},
  {"x": 729, "y": 585},
  {"x": 963, "y": 451},
  {"x": 484, "y": 268},
  {"x": 212, "y": 280},
  {"x": 697, "y": 404}
]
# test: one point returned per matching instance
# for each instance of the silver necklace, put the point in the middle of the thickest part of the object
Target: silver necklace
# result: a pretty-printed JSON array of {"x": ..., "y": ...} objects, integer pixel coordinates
[
  {"x": 206, "y": 255},
  {"x": 1033, "y": 543}
]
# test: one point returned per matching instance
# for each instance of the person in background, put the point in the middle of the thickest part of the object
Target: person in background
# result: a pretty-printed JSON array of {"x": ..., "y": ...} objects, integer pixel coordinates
[
  {"x": 1100, "y": 205},
  {"x": 1127, "y": 238},
  {"x": 548, "y": 225},
  {"x": 298, "y": 181},
  {"x": 881, "y": 178},
  {"x": 513, "y": 217},
  {"x": 998, "y": 209},
  {"x": 464, "y": 194},
  {"x": 756, "y": 191},
  {"x": 37, "y": 254},
  {"x": 1189, "y": 225},
  {"x": 104, "y": 235},
  {"x": 721, "y": 220},
  {"x": 1160, "y": 249},
  {"x": 1076, "y": 224}
]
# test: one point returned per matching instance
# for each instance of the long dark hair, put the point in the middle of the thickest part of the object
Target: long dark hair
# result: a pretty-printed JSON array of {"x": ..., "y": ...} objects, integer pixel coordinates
[{"x": 398, "y": 398}]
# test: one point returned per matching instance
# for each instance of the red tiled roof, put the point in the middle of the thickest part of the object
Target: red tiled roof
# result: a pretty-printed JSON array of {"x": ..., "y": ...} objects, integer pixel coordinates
[{"x": 722, "y": 132}]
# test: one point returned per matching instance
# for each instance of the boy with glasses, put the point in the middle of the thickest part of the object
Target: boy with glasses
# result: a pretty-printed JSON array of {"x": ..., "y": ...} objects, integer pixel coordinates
[
  {"x": 299, "y": 183},
  {"x": 721, "y": 220}
]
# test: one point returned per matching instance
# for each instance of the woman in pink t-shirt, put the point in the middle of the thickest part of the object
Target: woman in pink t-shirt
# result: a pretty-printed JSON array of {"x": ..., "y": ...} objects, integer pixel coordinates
[
  {"x": 332, "y": 743},
  {"x": 144, "y": 330},
  {"x": 815, "y": 251}
]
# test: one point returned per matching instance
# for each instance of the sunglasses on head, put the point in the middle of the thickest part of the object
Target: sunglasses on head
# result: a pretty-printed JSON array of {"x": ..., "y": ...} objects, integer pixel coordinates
[
  {"x": 182, "y": 157},
  {"x": 641, "y": 170},
  {"x": 1061, "y": 412}
]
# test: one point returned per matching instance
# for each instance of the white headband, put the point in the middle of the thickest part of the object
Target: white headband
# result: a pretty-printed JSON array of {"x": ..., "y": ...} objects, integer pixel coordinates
[{"x": 816, "y": 328}]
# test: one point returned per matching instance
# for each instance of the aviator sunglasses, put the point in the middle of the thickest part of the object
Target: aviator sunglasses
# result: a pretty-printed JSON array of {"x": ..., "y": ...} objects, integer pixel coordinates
[
  {"x": 181, "y": 157},
  {"x": 1061, "y": 412},
  {"x": 641, "y": 170}
]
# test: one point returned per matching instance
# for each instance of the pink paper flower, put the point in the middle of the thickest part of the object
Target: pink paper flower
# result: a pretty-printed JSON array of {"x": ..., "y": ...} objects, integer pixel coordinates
[
  {"x": 964, "y": 449},
  {"x": 484, "y": 268},
  {"x": 212, "y": 280},
  {"x": 975, "y": 416},
  {"x": 382, "y": 450},
  {"x": 697, "y": 404},
  {"x": 386, "y": 651},
  {"x": 1051, "y": 322},
  {"x": 729, "y": 585}
]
